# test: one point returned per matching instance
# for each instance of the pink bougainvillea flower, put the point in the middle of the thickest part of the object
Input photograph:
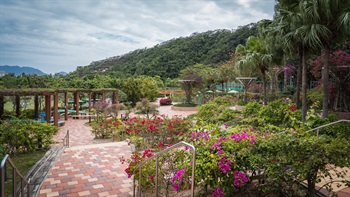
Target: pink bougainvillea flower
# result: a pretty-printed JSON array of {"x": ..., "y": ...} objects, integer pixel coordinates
[
  {"x": 218, "y": 192},
  {"x": 240, "y": 179},
  {"x": 151, "y": 178},
  {"x": 224, "y": 165}
]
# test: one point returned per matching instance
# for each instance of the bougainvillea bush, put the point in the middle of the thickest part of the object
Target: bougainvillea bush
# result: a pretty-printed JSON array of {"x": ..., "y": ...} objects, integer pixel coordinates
[
  {"x": 111, "y": 128},
  {"x": 252, "y": 158},
  {"x": 149, "y": 133},
  {"x": 165, "y": 101}
]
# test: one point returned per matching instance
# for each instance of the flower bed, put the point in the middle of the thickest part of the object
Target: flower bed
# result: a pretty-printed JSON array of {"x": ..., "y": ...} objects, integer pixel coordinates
[{"x": 165, "y": 101}]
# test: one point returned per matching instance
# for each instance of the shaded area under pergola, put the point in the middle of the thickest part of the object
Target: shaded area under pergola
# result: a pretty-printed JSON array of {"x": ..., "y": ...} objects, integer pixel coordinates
[{"x": 48, "y": 94}]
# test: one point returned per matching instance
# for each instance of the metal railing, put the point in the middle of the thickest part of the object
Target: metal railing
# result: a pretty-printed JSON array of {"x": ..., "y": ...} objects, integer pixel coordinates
[
  {"x": 157, "y": 156},
  {"x": 15, "y": 172},
  {"x": 66, "y": 139},
  {"x": 326, "y": 125}
]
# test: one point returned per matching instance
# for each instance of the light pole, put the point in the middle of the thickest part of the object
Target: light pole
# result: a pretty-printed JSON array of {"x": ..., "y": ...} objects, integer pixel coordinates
[{"x": 199, "y": 98}]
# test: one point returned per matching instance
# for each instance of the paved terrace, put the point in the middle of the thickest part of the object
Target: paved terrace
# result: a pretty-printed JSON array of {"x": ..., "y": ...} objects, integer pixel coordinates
[{"x": 91, "y": 168}]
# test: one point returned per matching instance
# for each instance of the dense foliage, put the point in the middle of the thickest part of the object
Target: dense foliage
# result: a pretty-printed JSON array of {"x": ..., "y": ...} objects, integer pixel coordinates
[
  {"x": 25, "y": 135},
  {"x": 260, "y": 151},
  {"x": 168, "y": 58}
]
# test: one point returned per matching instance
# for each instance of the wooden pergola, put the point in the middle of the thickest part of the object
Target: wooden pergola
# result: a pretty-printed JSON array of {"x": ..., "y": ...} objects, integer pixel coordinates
[{"x": 48, "y": 94}]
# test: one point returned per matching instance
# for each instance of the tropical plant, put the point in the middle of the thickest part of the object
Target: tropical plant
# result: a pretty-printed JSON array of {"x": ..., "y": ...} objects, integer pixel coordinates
[{"x": 255, "y": 53}]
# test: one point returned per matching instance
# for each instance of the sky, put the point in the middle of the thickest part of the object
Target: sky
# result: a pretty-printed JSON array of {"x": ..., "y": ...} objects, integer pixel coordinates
[{"x": 59, "y": 35}]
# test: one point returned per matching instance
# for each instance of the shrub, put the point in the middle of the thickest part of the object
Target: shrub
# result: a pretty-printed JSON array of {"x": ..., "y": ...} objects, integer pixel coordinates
[
  {"x": 165, "y": 101},
  {"x": 145, "y": 107},
  {"x": 108, "y": 129},
  {"x": 157, "y": 130},
  {"x": 217, "y": 110},
  {"x": 25, "y": 135}
]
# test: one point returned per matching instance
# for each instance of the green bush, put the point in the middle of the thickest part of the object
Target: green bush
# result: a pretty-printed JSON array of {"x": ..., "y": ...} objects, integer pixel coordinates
[
  {"x": 252, "y": 108},
  {"x": 25, "y": 135},
  {"x": 27, "y": 114},
  {"x": 2, "y": 151}
]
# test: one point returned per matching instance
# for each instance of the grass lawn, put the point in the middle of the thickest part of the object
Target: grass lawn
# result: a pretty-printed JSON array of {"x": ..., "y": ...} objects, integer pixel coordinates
[{"x": 23, "y": 162}]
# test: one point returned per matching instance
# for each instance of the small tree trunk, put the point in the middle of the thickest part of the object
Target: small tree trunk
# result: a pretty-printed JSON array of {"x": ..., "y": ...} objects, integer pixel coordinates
[
  {"x": 311, "y": 188},
  {"x": 325, "y": 81},
  {"x": 304, "y": 88},
  {"x": 297, "y": 85}
]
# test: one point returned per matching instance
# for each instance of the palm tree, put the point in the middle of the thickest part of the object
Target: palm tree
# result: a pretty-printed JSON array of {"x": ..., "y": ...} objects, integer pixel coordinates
[
  {"x": 255, "y": 53},
  {"x": 288, "y": 21},
  {"x": 329, "y": 22}
]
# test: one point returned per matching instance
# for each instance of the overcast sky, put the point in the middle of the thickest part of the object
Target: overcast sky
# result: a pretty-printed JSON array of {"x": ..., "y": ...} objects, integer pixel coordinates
[{"x": 59, "y": 35}]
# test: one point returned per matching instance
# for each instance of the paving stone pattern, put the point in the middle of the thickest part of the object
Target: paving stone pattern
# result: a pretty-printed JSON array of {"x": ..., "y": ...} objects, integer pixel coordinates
[{"x": 92, "y": 170}]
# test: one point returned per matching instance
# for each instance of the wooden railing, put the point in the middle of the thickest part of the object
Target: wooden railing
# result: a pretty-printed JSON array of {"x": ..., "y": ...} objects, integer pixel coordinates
[{"x": 15, "y": 172}]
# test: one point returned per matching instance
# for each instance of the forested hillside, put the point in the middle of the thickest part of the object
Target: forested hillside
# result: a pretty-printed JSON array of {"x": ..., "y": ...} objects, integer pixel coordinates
[{"x": 168, "y": 58}]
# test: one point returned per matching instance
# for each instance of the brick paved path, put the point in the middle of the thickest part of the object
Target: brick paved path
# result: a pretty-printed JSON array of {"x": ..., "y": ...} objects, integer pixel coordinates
[{"x": 87, "y": 168}]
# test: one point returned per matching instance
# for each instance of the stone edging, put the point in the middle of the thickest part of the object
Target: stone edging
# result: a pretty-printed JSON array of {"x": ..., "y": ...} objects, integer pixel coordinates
[{"x": 175, "y": 108}]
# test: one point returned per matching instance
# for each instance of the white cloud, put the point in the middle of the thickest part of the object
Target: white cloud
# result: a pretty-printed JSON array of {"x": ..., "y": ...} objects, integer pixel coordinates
[{"x": 61, "y": 35}]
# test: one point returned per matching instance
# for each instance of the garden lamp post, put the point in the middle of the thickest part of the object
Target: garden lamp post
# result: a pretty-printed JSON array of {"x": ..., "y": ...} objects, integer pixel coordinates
[{"x": 199, "y": 98}]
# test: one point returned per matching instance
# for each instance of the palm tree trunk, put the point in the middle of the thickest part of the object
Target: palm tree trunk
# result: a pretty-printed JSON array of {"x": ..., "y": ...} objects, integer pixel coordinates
[
  {"x": 263, "y": 72},
  {"x": 304, "y": 88},
  {"x": 325, "y": 80},
  {"x": 297, "y": 85}
]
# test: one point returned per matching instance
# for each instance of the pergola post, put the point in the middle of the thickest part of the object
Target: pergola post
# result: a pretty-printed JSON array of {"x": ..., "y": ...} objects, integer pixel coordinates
[
  {"x": 36, "y": 106},
  {"x": 113, "y": 98},
  {"x": 55, "y": 109},
  {"x": 103, "y": 95},
  {"x": 90, "y": 96},
  {"x": 48, "y": 108},
  {"x": 2, "y": 103},
  {"x": 116, "y": 97},
  {"x": 66, "y": 105},
  {"x": 18, "y": 106},
  {"x": 76, "y": 102}
]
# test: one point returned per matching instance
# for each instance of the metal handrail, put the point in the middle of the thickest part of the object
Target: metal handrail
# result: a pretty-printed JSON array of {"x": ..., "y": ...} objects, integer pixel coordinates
[
  {"x": 15, "y": 173},
  {"x": 157, "y": 156},
  {"x": 66, "y": 139},
  {"x": 326, "y": 125}
]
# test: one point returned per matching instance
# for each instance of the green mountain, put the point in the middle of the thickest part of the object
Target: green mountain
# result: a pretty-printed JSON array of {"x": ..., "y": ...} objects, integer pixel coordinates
[
  {"x": 18, "y": 70},
  {"x": 169, "y": 58}
]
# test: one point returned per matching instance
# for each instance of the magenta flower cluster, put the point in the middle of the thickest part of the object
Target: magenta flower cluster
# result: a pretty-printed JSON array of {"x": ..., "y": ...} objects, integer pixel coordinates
[
  {"x": 195, "y": 136},
  {"x": 218, "y": 192},
  {"x": 178, "y": 179},
  {"x": 243, "y": 136},
  {"x": 240, "y": 179},
  {"x": 224, "y": 165}
]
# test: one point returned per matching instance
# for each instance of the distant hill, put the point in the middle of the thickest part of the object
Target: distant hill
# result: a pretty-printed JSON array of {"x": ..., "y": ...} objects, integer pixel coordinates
[
  {"x": 62, "y": 73},
  {"x": 167, "y": 59},
  {"x": 17, "y": 70}
]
